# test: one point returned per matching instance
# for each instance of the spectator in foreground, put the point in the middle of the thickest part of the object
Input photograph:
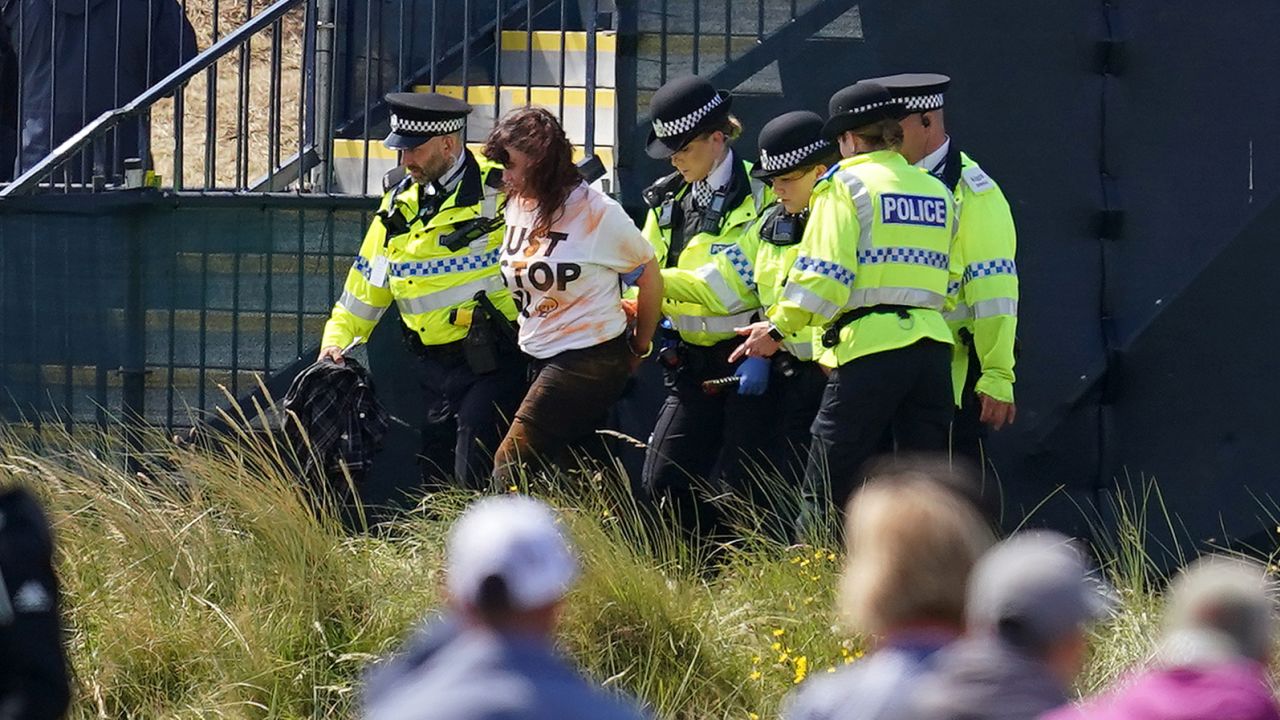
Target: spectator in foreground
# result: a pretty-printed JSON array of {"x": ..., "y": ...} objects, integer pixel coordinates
[
  {"x": 34, "y": 680},
  {"x": 508, "y": 568},
  {"x": 1219, "y": 638},
  {"x": 912, "y": 541},
  {"x": 1030, "y": 602}
]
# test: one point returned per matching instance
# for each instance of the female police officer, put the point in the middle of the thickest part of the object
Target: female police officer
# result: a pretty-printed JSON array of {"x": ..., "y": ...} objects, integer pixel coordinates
[
  {"x": 696, "y": 213},
  {"x": 793, "y": 155},
  {"x": 874, "y": 263}
]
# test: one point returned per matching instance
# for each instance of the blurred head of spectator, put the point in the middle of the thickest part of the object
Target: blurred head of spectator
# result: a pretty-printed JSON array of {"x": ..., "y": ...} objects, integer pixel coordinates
[
  {"x": 509, "y": 566},
  {"x": 1031, "y": 600},
  {"x": 911, "y": 543},
  {"x": 912, "y": 540},
  {"x": 1219, "y": 610},
  {"x": 1219, "y": 636},
  {"x": 1034, "y": 593}
]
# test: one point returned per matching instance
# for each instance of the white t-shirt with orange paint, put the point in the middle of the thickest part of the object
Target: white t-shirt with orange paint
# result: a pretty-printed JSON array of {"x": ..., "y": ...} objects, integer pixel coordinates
[{"x": 565, "y": 283}]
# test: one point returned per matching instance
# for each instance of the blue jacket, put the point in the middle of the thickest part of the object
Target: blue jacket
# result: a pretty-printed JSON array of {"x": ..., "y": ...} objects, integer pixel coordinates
[{"x": 469, "y": 674}]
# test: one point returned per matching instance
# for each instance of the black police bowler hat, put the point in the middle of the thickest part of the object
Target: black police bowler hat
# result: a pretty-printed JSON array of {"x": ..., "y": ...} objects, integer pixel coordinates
[
  {"x": 681, "y": 110},
  {"x": 860, "y": 105},
  {"x": 418, "y": 117},
  {"x": 792, "y": 141},
  {"x": 918, "y": 92}
]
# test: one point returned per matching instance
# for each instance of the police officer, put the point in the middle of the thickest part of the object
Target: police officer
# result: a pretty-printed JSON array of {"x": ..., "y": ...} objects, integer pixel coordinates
[
  {"x": 874, "y": 264},
  {"x": 985, "y": 320},
  {"x": 509, "y": 568},
  {"x": 695, "y": 214},
  {"x": 433, "y": 249},
  {"x": 793, "y": 155}
]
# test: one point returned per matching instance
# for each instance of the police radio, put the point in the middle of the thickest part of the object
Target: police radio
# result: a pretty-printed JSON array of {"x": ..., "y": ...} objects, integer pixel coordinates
[
  {"x": 713, "y": 214},
  {"x": 468, "y": 232}
]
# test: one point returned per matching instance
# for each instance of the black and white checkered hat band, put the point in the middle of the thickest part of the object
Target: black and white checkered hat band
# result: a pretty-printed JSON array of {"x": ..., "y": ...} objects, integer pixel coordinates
[
  {"x": 426, "y": 127},
  {"x": 790, "y": 158},
  {"x": 670, "y": 128},
  {"x": 868, "y": 107},
  {"x": 923, "y": 103}
]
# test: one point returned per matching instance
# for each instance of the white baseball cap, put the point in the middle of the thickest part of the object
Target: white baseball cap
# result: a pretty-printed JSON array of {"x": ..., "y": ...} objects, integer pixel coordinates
[{"x": 517, "y": 539}]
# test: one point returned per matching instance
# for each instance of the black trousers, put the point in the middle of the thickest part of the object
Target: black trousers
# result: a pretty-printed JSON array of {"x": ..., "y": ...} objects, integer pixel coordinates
[
  {"x": 467, "y": 413},
  {"x": 967, "y": 431},
  {"x": 705, "y": 444},
  {"x": 797, "y": 388},
  {"x": 906, "y": 391}
]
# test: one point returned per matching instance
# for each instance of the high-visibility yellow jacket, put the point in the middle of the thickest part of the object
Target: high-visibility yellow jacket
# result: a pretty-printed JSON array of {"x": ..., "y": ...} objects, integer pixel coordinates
[
  {"x": 986, "y": 313},
  {"x": 708, "y": 289},
  {"x": 879, "y": 233},
  {"x": 426, "y": 279},
  {"x": 774, "y": 259}
]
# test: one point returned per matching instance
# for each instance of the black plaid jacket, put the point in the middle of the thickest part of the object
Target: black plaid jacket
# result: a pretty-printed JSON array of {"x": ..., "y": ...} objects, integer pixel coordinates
[{"x": 336, "y": 407}]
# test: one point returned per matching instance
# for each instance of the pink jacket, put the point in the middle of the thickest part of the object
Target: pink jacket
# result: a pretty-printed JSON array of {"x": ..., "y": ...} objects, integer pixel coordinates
[{"x": 1235, "y": 691}]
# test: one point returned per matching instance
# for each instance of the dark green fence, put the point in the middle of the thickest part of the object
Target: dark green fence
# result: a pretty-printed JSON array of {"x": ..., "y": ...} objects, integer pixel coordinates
[{"x": 157, "y": 306}]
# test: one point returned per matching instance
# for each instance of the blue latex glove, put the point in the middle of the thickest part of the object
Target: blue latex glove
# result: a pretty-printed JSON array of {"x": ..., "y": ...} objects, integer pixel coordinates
[
  {"x": 754, "y": 372},
  {"x": 629, "y": 278}
]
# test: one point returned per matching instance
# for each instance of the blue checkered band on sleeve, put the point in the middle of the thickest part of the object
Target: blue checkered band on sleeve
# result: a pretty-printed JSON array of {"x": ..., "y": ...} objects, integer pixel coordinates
[
  {"x": 362, "y": 266},
  {"x": 1002, "y": 266},
  {"x": 740, "y": 263},
  {"x": 835, "y": 271},
  {"x": 444, "y": 266}
]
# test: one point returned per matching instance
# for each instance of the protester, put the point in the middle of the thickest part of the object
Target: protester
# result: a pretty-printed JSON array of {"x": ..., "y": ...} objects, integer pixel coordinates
[
  {"x": 912, "y": 540},
  {"x": 509, "y": 568},
  {"x": 1030, "y": 601},
  {"x": 1212, "y": 662},
  {"x": 566, "y": 246}
]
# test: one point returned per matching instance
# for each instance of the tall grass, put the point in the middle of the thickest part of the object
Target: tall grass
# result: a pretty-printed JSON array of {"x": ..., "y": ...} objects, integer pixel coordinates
[{"x": 207, "y": 586}]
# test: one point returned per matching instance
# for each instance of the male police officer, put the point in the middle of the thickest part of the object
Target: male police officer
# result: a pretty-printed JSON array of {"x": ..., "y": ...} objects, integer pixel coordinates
[
  {"x": 433, "y": 249},
  {"x": 985, "y": 319},
  {"x": 875, "y": 264}
]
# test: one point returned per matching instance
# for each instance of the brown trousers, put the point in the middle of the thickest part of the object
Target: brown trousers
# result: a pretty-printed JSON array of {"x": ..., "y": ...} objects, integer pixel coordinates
[{"x": 568, "y": 400}]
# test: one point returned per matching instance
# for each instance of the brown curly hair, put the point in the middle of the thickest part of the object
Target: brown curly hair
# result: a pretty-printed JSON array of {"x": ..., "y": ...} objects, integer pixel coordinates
[{"x": 551, "y": 175}]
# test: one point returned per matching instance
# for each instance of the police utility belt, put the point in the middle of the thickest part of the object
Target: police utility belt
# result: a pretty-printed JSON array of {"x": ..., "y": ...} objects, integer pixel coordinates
[{"x": 831, "y": 335}]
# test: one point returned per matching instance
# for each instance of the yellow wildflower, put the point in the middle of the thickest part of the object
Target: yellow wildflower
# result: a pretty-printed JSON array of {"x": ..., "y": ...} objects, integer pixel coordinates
[
  {"x": 778, "y": 632},
  {"x": 802, "y": 669},
  {"x": 776, "y": 646},
  {"x": 755, "y": 675}
]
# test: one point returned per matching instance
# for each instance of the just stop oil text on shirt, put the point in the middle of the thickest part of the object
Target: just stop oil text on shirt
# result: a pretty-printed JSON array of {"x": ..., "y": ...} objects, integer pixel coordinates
[{"x": 565, "y": 281}]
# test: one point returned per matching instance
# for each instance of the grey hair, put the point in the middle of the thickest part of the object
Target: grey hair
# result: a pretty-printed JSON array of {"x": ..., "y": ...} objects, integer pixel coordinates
[{"x": 1218, "y": 608}]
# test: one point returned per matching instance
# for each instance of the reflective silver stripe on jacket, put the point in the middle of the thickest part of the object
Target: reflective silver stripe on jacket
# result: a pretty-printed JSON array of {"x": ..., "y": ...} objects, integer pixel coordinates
[
  {"x": 360, "y": 308},
  {"x": 710, "y": 274},
  {"x": 448, "y": 297},
  {"x": 995, "y": 307},
  {"x": 862, "y": 203},
  {"x": 911, "y": 297},
  {"x": 801, "y": 350},
  {"x": 809, "y": 300},
  {"x": 712, "y": 323}
]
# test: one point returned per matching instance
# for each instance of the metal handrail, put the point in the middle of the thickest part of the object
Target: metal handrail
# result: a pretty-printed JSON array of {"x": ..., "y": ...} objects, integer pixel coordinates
[{"x": 109, "y": 119}]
